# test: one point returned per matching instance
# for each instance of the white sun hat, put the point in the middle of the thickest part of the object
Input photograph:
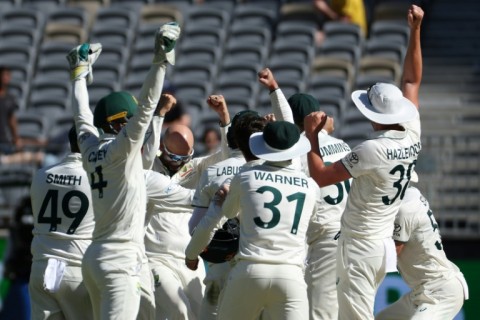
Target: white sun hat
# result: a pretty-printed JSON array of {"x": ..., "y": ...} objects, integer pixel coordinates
[
  {"x": 279, "y": 141},
  {"x": 384, "y": 103}
]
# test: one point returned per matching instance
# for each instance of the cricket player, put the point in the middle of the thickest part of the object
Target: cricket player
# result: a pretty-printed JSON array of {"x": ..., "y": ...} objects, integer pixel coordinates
[
  {"x": 210, "y": 181},
  {"x": 179, "y": 291},
  {"x": 175, "y": 156},
  {"x": 322, "y": 235},
  {"x": 63, "y": 226},
  {"x": 159, "y": 191},
  {"x": 381, "y": 167},
  {"x": 165, "y": 197},
  {"x": 438, "y": 286},
  {"x": 113, "y": 161},
  {"x": 275, "y": 203},
  {"x": 323, "y": 232}
]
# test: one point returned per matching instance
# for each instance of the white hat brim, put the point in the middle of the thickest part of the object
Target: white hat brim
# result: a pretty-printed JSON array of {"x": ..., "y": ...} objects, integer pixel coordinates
[
  {"x": 407, "y": 111},
  {"x": 259, "y": 148}
]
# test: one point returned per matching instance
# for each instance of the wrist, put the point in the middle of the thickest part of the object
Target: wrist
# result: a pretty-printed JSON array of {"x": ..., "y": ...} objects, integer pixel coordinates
[{"x": 273, "y": 89}]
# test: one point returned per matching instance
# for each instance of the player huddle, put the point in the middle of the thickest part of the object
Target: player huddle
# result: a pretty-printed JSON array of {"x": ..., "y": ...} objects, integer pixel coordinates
[{"x": 315, "y": 225}]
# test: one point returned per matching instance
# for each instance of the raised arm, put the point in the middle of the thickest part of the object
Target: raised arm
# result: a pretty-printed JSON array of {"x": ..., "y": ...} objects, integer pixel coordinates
[
  {"x": 81, "y": 59},
  {"x": 218, "y": 104},
  {"x": 281, "y": 108},
  {"x": 412, "y": 67},
  {"x": 164, "y": 52},
  {"x": 152, "y": 136}
]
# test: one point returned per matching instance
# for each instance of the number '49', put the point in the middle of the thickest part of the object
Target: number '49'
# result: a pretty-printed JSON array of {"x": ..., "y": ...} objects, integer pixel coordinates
[{"x": 54, "y": 220}]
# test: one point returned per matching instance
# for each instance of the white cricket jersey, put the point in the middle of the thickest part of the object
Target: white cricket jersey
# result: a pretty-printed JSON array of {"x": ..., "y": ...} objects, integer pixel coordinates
[
  {"x": 214, "y": 176},
  {"x": 381, "y": 167},
  {"x": 167, "y": 232},
  {"x": 211, "y": 220},
  {"x": 334, "y": 197},
  {"x": 422, "y": 259},
  {"x": 169, "y": 208},
  {"x": 62, "y": 211},
  {"x": 114, "y": 163},
  {"x": 275, "y": 203}
]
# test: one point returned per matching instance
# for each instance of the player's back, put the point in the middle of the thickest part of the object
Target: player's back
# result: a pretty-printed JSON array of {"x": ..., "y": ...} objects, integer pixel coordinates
[
  {"x": 118, "y": 187},
  {"x": 63, "y": 211},
  {"x": 215, "y": 175},
  {"x": 422, "y": 259},
  {"x": 334, "y": 196},
  {"x": 381, "y": 167},
  {"x": 276, "y": 205}
]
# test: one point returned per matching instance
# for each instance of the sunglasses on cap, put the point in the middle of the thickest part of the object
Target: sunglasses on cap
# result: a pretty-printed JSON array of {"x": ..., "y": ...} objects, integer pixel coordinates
[{"x": 177, "y": 158}]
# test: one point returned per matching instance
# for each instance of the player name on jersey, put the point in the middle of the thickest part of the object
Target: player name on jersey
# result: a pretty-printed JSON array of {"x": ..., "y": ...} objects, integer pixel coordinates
[
  {"x": 404, "y": 153},
  {"x": 334, "y": 149},
  {"x": 277, "y": 178},
  {"x": 97, "y": 155},
  {"x": 227, "y": 171},
  {"x": 63, "y": 179}
]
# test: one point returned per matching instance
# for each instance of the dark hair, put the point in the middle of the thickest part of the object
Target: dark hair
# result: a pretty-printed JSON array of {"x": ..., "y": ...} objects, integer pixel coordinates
[
  {"x": 231, "y": 133},
  {"x": 3, "y": 68},
  {"x": 175, "y": 113},
  {"x": 243, "y": 129},
  {"x": 211, "y": 129}
]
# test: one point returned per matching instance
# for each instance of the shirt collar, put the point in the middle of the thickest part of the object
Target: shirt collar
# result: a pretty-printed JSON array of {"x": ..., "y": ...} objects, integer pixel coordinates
[{"x": 391, "y": 134}]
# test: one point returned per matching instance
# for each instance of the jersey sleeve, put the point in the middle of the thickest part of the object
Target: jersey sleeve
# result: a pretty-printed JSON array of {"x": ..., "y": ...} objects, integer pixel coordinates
[
  {"x": 362, "y": 159},
  {"x": 189, "y": 175},
  {"x": 204, "y": 231},
  {"x": 224, "y": 148},
  {"x": 231, "y": 205},
  {"x": 152, "y": 142},
  {"x": 134, "y": 131},
  {"x": 403, "y": 227},
  {"x": 280, "y": 106},
  {"x": 83, "y": 116},
  {"x": 203, "y": 194}
]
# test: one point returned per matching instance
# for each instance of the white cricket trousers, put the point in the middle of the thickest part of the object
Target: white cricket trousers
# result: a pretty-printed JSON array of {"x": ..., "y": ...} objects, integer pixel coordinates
[
  {"x": 111, "y": 272},
  {"x": 441, "y": 302},
  {"x": 321, "y": 276},
  {"x": 280, "y": 289},
  {"x": 178, "y": 290},
  {"x": 214, "y": 282},
  {"x": 361, "y": 265},
  {"x": 70, "y": 301},
  {"x": 147, "y": 296}
]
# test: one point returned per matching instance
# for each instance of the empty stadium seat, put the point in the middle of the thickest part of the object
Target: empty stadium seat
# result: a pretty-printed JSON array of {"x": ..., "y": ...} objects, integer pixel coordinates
[
  {"x": 252, "y": 15},
  {"x": 390, "y": 31},
  {"x": 208, "y": 16},
  {"x": 296, "y": 34},
  {"x": 255, "y": 35},
  {"x": 332, "y": 67},
  {"x": 343, "y": 32}
]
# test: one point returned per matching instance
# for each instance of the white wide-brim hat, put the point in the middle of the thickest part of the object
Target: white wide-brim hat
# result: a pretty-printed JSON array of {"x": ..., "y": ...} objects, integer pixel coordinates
[
  {"x": 279, "y": 141},
  {"x": 384, "y": 103}
]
